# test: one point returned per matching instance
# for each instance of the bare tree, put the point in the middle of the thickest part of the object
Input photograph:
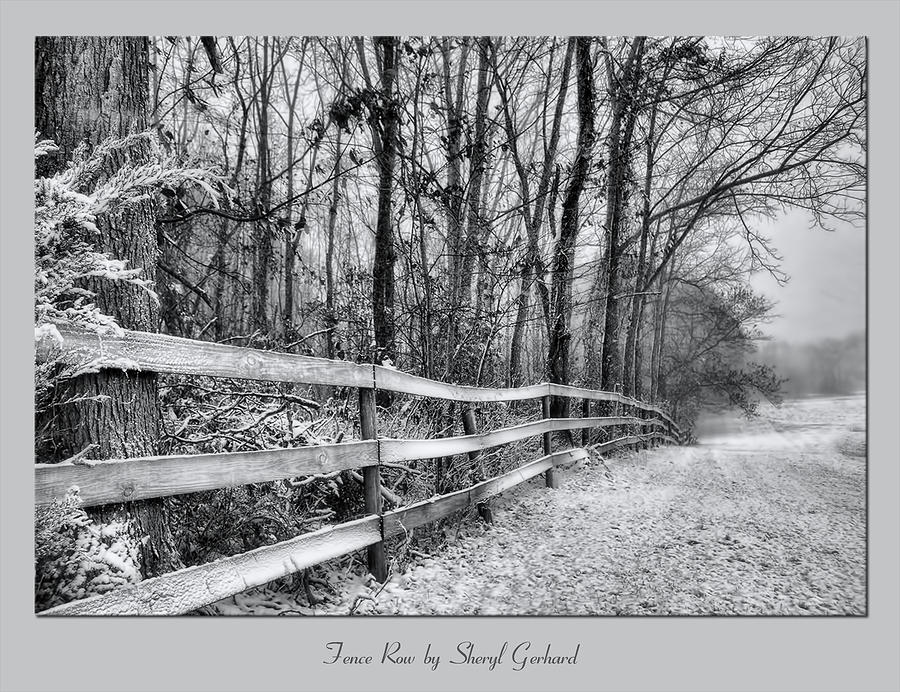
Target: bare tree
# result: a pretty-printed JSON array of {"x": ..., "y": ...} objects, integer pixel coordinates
[
  {"x": 564, "y": 253},
  {"x": 622, "y": 88},
  {"x": 532, "y": 264}
]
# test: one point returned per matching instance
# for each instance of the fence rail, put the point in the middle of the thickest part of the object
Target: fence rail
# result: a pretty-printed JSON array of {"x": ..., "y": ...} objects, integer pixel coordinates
[
  {"x": 125, "y": 480},
  {"x": 132, "y": 350},
  {"x": 188, "y": 589}
]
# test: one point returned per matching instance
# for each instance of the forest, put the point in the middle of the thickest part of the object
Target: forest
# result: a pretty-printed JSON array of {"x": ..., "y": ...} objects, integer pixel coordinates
[
  {"x": 488, "y": 211},
  {"x": 827, "y": 366}
]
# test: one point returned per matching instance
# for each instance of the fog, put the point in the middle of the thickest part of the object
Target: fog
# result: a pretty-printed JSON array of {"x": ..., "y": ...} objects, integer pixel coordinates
[
  {"x": 826, "y": 294},
  {"x": 818, "y": 336}
]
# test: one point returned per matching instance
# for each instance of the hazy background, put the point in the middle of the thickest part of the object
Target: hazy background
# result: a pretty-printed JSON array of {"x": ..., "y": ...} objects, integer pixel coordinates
[
  {"x": 826, "y": 296},
  {"x": 818, "y": 338}
]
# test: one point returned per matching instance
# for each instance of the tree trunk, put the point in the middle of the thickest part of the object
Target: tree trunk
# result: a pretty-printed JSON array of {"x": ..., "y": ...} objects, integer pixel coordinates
[
  {"x": 385, "y": 255},
  {"x": 219, "y": 263},
  {"x": 631, "y": 369},
  {"x": 454, "y": 102},
  {"x": 88, "y": 89},
  {"x": 639, "y": 351},
  {"x": 593, "y": 342},
  {"x": 564, "y": 255},
  {"x": 532, "y": 265},
  {"x": 330, "y": 315},
  {"x": 454, "y": 106},
  {"x": 621, "y": 130},
  {"x": 225, "y": 323},
  {"x": 662, "y": 304},
  {"x": 263, "y": 235},
  {"x": 287, "y": 318},
  {"x": 475, "y": 233}
]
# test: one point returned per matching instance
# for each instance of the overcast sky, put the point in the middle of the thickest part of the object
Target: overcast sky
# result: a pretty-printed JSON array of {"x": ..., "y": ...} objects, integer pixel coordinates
[{"x": 826, "y": 296}]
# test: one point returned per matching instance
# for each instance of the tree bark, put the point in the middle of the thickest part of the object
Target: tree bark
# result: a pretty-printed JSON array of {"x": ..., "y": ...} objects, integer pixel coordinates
[
  {"x": 657, "y": 387},
  {"x": 638, "y": 391},
  {"x": 475, "y": 231},
  {"x": 290, "y": 233},
  {"x": 453, "y": 103},
  {"x": 330, "y": 313},
  {"x": 88, "y": 89},
  {"x": 631, "y": 372},
  {"x": 621, "y": 130},
  {"x": 385, "y": 255},
  {"x": 219, "y": 262},
  {"x": 224, "y": 234},
  {"x": 263, "y": 235},
  {"x": 532, "y": 264},
  {"x": 564, "y": 255}
]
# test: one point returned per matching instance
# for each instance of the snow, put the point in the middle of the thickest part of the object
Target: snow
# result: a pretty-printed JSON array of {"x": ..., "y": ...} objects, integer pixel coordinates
[
  {"x": 78, "y": 558},
  {"x": 48, "y": 331},
  {"x": 761, "y": 517}
]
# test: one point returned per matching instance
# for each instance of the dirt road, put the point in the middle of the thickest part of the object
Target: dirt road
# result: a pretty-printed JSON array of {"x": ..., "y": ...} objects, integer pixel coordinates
[{"x": 761, "y": 517}]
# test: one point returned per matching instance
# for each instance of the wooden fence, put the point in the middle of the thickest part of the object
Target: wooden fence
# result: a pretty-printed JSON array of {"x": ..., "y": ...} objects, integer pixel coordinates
[{"x": 124, "y": 480}]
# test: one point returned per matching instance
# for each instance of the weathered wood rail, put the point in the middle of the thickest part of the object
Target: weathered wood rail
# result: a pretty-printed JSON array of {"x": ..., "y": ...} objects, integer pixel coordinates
[{"x": 124, "y": 480}]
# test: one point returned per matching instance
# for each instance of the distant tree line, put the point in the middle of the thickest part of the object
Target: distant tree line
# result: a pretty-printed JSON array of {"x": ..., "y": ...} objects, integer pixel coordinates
[{"x": 824, "y": 367}]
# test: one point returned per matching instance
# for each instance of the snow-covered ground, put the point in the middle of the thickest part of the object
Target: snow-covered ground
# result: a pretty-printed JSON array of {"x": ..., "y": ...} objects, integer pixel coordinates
[{"x": 765, "y": 516}]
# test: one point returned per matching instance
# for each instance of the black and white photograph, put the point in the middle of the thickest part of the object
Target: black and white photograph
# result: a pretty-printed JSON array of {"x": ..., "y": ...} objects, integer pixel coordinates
[
  {"x": 484, "y": 345},
  {"x": 410, "y": 325}
]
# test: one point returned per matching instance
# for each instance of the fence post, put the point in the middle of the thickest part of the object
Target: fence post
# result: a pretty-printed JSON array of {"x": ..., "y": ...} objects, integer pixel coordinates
[
  {"x": 642, "y": 430},
  {"x": 608, "y": 409},
  {"x": 628, "y": 411},
  {"x": 586, "y": 413},
  {"x": 372, "y": 480},
  {"x": 470, "y": 428},
  {"x": 636, "y": 428},
  {"x": 550, "y": 475},
  {"x": 619, "y": 430}
]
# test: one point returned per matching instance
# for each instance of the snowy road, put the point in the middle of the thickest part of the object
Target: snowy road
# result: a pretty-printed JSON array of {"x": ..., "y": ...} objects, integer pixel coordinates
[{"x": 761, "y": 517}]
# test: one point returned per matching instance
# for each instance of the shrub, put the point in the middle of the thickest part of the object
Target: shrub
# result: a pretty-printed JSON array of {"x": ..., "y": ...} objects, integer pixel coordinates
[{"x": 76, "y": 557}]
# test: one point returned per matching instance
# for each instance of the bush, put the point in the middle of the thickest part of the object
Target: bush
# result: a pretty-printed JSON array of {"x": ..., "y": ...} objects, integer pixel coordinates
[{"x": 76, "y": 557}]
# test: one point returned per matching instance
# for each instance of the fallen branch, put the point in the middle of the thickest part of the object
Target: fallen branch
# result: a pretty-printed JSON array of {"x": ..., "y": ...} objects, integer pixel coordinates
[
  {"x": 313, "y": 479},
  {"x": 362, "y": 597},
  {"x": 387, "y": 494},
  {"x": 248, "y": 337},
  {"x": 308, "y": 336},
  {"x": 294, "y": 399},
  {"x": 77, "y": 458}
]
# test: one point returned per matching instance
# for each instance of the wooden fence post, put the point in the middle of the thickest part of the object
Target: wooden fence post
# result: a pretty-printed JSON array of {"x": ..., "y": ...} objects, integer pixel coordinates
[
  {"x": 444, "y": 465},
  {"x": 550, "y": 474},
  {"x": 586, "y": 413},
  {"x": 606, "y": 409},
  {"x": 372, "y": 480},
  {"x": 470, "y": 428},
  {"x": 619, "y": 430},
  {"x": 642, "y": 414},
  {"x": 634, "y": 412}
]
